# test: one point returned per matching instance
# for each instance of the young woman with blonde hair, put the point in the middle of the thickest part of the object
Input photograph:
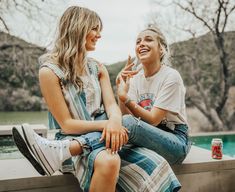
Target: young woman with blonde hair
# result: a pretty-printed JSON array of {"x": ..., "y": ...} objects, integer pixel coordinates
[
  {"x": 66, "y": 71},
  {"x": 155, "y": 98},
  {"x": 78, "y": 94}
]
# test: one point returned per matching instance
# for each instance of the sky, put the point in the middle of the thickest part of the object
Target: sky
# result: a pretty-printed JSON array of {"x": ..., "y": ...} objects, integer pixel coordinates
[{"x": 122, "y": 20}]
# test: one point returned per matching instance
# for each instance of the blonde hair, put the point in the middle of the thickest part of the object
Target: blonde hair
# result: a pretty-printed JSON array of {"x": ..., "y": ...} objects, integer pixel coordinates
[
  {"x": 165, "y": 56},
  {"x": 69, "y": 51}
]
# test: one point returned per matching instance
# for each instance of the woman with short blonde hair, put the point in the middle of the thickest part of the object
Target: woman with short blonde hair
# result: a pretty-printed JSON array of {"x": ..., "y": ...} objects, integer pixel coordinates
[{"x": 154, "y": 99}]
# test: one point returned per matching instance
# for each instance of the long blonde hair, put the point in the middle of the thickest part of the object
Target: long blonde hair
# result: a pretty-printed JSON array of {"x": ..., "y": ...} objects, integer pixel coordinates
[
  {"x": 69, "y": 51},
  {"x": 165, "y": 56}
]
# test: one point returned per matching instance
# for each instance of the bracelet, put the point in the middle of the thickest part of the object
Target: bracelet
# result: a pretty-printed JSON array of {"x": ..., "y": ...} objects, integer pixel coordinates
[{"x": 127, "y": 100}]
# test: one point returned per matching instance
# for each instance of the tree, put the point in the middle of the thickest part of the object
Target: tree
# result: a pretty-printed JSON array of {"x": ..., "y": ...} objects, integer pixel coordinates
[
  {"x": 28, "y": 18},
  {"x": 26, "y": 7},
  {"x": 19, "y": 59},
  {"x": 209, "y": 94}
]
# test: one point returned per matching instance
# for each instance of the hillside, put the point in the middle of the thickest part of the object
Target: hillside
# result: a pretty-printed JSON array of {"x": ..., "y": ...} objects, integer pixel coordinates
[
  {"x": 19, "y": 89},
  {"x": 202, "y": 52}
]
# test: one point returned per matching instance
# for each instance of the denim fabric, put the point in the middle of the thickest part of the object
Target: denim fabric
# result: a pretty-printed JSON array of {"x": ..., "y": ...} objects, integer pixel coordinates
[
  {"x": 172, "y": 145},
  {"x": 90, "y": 140},
  {"x": 90, "y": 143}
]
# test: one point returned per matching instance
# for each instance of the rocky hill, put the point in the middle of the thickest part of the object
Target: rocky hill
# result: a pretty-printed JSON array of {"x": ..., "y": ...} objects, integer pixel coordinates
[
  {"x": 19, "y": 89},
  {"x": 201, "y": 52}
]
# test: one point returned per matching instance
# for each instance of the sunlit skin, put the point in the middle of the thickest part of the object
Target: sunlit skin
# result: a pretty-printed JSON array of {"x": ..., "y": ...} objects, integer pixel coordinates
[{"x": 149, "y": 53}]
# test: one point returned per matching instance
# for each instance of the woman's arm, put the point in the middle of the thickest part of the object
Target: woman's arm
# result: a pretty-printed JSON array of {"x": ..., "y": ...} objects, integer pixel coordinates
[
  {"x": 51, "y": 91},
  {"x": 123, "y": 108},
  {"x": 153, "y": 117},
  {"x": 110, "y": 104},
  {"x": 124, "y": 74},
  {"x": 114, "y": 134}
]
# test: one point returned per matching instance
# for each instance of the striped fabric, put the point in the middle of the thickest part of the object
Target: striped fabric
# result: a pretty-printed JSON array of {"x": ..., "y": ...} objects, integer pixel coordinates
[
  {"x": 92, "y": 92},
  {"x": 142, "y": 170}
]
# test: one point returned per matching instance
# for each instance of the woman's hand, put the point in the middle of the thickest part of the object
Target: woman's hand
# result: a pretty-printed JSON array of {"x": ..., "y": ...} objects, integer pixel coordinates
[
  {"x": 126, "y": 71},
  {"x": 122, "y": 88},
  {"x": 115, "y": 135},
  {"x": 123, "y": 78}
]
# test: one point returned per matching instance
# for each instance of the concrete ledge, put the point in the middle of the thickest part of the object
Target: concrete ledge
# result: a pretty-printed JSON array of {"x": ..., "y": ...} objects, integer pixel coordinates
[
  {"x": 213, "y": 133},
  {"x": 211, "y": 181},
  {"x": 42, "y": 184},
  {"x": 200, "y": 160},
  {"x": 198, "y": 173},
  {"x": 39, "y": 128}
]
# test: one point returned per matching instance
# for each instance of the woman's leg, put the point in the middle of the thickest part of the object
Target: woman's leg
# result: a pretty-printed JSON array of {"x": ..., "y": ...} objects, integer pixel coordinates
[
  {"x": 166, "y": 144},
  {"x": 106, "y": 171}
]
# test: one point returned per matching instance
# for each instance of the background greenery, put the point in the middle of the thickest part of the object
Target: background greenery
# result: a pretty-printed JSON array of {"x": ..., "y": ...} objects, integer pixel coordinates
[{"x": 19, "y": 87}]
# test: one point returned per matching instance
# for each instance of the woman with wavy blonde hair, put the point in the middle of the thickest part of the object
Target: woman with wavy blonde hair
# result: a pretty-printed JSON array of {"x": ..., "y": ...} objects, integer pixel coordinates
[
  {"x": 82, "y": 107},
  {"x": 71, "y": 85}
]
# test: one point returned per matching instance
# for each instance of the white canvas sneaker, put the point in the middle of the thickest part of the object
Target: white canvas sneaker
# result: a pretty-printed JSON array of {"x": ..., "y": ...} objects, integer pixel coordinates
[
  {"x": 49, "y": 154},
  {"x": 23, "y": 148}
]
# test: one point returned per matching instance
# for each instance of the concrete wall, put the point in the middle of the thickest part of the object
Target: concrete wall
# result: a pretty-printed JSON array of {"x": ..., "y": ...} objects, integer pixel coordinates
[{"x": 215, "y": 181}]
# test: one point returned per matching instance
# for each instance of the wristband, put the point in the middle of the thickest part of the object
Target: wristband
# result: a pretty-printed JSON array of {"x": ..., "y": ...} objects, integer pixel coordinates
[{"x": 127, "y": 100}]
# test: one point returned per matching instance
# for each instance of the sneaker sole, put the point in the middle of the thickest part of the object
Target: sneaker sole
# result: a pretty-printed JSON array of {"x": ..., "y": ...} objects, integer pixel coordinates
[
  {"x": 21, "y": 145},
  {"x": 33, "y": 146}
]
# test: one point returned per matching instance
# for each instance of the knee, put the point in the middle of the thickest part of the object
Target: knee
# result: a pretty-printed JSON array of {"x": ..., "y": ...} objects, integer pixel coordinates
[
  {"x": 129, "y": 121},
  {"x": 107, "y": 165}
]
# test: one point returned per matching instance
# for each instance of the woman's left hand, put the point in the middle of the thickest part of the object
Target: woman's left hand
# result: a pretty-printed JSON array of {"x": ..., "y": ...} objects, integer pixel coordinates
[{"x": 115, "y": 135}]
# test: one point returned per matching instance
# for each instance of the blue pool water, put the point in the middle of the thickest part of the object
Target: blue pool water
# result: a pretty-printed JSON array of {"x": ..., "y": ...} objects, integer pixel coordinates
[
  {"x": 8, "y": 150},
  {"x": 205, "y": 142}
]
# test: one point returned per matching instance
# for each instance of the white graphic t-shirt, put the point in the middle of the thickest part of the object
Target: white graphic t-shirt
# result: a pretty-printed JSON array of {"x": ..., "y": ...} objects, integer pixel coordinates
[{"x": 164, "y": 90}]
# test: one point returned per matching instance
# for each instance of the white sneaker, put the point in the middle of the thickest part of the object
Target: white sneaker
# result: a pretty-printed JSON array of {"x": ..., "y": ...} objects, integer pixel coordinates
[
  {"x": 49, "y": 154},
  {"x": 23, "y": 148}
]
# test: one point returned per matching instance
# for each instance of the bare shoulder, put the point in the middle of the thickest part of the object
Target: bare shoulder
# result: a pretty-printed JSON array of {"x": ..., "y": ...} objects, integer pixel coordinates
[{"x": 47, "y": 75}]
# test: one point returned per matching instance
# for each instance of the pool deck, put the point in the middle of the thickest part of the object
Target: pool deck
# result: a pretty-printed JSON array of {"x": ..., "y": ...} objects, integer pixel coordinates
[{"x": 198, "y": 173}]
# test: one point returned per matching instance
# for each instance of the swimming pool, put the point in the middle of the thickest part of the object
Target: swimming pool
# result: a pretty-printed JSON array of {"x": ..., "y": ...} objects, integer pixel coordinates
[
  {"x": 204, "y": 141},
  {"x": 8, "y": 149}
]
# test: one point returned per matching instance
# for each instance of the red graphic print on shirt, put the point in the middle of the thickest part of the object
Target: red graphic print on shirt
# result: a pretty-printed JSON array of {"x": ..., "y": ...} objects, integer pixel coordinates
[{"x": 146, "y": 101}]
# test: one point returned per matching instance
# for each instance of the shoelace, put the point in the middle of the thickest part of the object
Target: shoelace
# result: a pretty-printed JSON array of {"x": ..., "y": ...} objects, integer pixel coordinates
[{"x": 56, "y": 145}]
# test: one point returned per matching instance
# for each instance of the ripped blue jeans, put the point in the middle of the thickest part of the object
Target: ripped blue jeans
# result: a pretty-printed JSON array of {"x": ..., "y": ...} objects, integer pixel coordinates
[{"x": 173, "y": 145}]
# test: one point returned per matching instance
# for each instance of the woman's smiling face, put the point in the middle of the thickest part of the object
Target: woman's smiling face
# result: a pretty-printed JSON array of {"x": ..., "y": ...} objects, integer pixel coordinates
[
  {"x": 92, "y": 37},
  {"x": 147, "y": 47}
]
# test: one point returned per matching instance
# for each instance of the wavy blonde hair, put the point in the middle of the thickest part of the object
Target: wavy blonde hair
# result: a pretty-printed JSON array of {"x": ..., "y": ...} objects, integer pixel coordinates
[
  {"x": 165, "y": 56},
  {"x": 69, "y": 51}
]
